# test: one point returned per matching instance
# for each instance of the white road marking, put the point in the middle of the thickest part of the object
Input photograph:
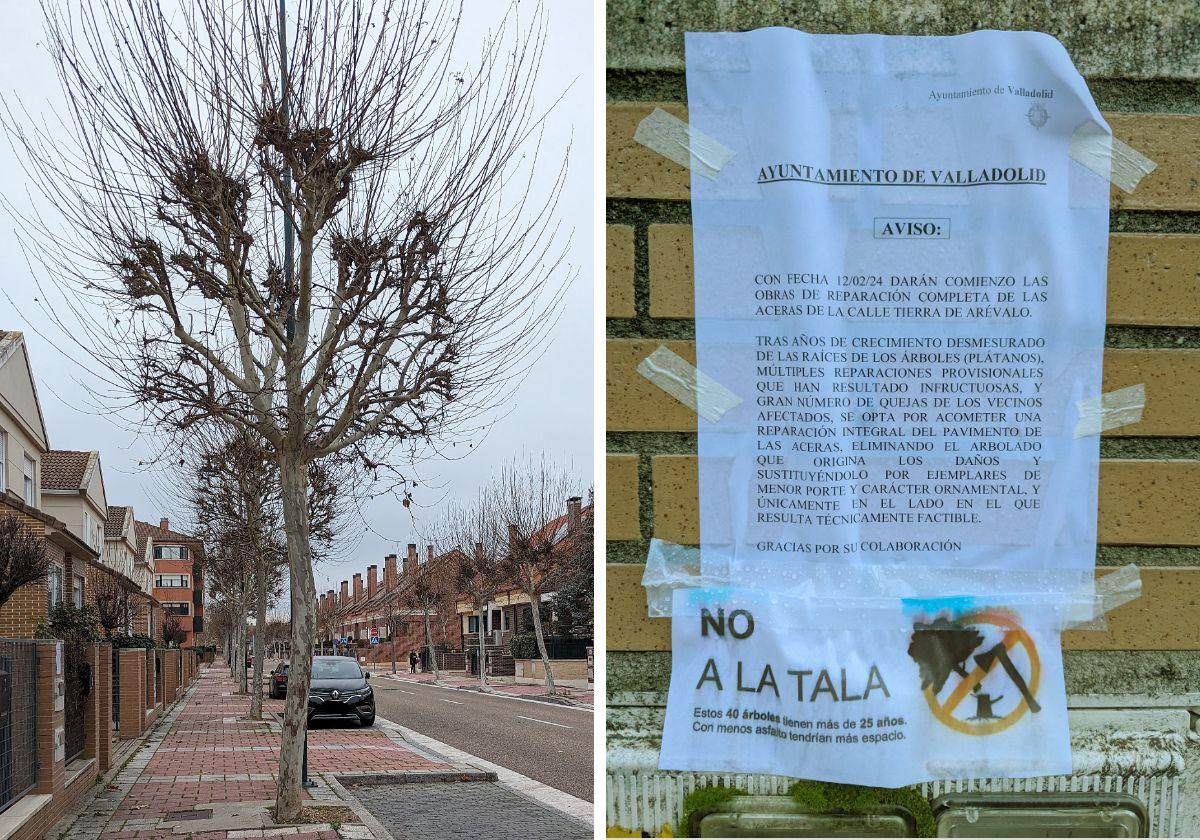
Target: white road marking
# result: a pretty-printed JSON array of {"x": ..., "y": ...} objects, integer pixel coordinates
[
  {"x": 547, "y": 722},
  {"x": 402, "y": 691},
  {"x": 455, "y": 702}
]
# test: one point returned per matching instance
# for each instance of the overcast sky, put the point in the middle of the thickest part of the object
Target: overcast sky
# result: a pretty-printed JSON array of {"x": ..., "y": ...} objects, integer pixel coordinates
[{"x": 551, "y": 411}]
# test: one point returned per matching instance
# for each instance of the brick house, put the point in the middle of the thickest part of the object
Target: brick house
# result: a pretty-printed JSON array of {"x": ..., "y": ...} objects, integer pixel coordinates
[
  {"x": 121, "y": 553},
  {"x": 60, "y": 493},
  {"x": 24, "y": 449},
  {"x": 177, "y": 563},
  {"x": 369, "y": 604},
  {"x": 361, "y": 605},
  {"x": 511, "y": 610}
]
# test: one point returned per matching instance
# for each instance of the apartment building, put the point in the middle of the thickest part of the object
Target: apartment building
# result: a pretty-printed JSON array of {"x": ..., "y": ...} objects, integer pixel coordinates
[{"x": 177, "y": 562}]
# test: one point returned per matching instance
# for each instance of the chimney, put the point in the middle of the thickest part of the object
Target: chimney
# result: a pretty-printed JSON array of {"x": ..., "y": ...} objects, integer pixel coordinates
[
  {"x": 410, "y": 561},
  {"x": 345, "y": 599},
  {"x": 164, "y": 523},
  {"x": 429, "y": 554},
  {"x": 389, "y": 572},
  {"x": 574, "y": 513},
  {"x": 372, "y": 580},
  {"x": 357, "y": 587}
]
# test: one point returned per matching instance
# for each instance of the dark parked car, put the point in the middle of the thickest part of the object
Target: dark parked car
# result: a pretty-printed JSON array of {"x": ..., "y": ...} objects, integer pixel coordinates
[
  {"x": 278, "y": 681},
  {"x": 340, "y": 689}
]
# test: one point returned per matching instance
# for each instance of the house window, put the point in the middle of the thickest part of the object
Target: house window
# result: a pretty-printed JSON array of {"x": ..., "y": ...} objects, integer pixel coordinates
[
  {"x": 30, "y": 473},
  {"x": 3, "y": 460},
  {"x": 171, "y": 581},
  {"x": 181, "y": 608},
  {"x": 472, "y": 624},
  {"x": 170, "y": 552},
  {"x": 77, "y": 592},
  {"x": 54, "y": 583}
]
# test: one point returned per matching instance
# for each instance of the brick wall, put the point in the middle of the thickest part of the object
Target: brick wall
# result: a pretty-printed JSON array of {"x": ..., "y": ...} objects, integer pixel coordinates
[{"x": 132, "y": 662}]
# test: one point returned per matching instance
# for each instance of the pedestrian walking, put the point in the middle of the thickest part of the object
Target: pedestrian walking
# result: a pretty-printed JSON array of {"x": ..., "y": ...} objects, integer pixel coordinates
[{"x": 412, "y": 662}]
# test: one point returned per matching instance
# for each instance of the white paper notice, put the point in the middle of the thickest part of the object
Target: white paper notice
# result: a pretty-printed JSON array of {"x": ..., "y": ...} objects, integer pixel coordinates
[
  {"x": 901, "y": 271},
  {"x": 887, "y": 695}
]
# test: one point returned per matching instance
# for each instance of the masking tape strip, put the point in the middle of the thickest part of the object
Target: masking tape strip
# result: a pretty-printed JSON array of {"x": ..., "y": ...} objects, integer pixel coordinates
[
  {"x": 1111, "y": 410},
  {"x": 709, "y": 398},
  {"x": 1113, "y": 590},
  {"x": 675, "y": 140},
  {"x": 1108, "y": 157}
]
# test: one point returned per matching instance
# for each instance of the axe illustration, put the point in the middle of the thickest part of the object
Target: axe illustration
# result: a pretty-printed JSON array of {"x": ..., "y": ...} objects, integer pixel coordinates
[{"x": 988, "y": 658}]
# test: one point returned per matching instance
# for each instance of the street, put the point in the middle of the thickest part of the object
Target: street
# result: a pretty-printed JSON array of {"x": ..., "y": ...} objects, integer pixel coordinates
[{"x": 549, "y": 743}]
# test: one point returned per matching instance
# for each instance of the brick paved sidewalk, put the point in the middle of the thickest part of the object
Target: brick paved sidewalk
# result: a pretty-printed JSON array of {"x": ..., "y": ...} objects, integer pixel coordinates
[
  {"x": 208, "y": 772},
  {"x": 573, "y": 696}
]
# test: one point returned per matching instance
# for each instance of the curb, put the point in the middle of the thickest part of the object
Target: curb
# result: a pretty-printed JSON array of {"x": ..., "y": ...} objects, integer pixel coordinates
[{"x": 415, "y": 777}]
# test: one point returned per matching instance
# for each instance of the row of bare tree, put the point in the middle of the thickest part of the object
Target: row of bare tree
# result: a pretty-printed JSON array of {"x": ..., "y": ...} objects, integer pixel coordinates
[{"x": 512, "y": 536}]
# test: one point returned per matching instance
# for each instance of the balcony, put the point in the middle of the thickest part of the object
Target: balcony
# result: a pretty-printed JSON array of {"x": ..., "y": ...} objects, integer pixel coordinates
[{"x": 492, "y": 638}]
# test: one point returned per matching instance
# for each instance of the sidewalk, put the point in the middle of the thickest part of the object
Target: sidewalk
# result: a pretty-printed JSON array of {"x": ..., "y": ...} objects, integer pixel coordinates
[
  {"x": 534, "y": 691},
  {"x": 208, "y": 772}
]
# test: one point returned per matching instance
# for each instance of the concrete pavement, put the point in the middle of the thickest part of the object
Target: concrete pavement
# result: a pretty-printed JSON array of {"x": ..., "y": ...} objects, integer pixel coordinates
[{"x": 208, "y": 772}]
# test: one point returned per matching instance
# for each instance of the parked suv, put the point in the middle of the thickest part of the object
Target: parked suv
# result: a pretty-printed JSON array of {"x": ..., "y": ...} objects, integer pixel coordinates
[{"x": 340, "y": 689}]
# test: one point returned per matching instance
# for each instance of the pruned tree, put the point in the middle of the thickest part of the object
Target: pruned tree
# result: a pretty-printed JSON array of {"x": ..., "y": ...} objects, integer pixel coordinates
[
  {"x": 327, "y": 622},
  {"x": 530, "y": 496},
  {"x": 236, "y": 500},
  {"x": 427, "y": 592},
  {"x": 113, "y": 598},
  {"x": 23, "y": 556},
  {"x": 321, "y": 231},
  {"x": 467, "y": 530}
]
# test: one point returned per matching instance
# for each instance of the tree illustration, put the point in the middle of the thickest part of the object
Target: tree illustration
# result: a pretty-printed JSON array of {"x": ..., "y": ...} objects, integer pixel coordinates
[{"x": 941, "y": 647}]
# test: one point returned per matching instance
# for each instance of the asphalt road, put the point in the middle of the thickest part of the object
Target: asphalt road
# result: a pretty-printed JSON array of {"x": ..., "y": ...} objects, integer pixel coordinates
[{"x": 550, "y": 743}]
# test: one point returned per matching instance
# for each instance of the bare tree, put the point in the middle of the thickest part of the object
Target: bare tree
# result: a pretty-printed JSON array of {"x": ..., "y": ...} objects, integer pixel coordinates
[
  {"x": 427, "y": 592},
  {"x": 236, "y": 500},
  {"x": 172, "y": 630},
  {"x": 468, "y": 530},
  {"x": 326, "y": 623},
  {"x": 311, "y": 241},
  {"x": 113, "y": 598},
  {"x": 22, "y": 556},
  {"x": 529, "y": 496}
]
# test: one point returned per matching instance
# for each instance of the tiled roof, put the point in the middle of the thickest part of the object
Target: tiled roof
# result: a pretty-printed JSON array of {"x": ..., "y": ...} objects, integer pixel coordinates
[
  {"x": 114, "y": 525},
  {"x": 65, "y": 469}
]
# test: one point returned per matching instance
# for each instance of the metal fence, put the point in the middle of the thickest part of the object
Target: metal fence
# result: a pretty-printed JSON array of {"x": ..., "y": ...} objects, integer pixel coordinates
[
  {"x": 158, "y": 676},
  {"x": 18, "y": 719},
  {"x": 116, "y": 685},
  {"x": 77, "y": 679}
]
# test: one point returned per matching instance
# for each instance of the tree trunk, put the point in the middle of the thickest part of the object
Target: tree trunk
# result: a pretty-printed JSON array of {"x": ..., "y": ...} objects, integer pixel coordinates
[
  {"x": 392, "y": 633},
  {"x": 244, "y": 628},
  {"x": 535, "y": 597},
  {"x": 260, "y": 644},
  {"x": 483, "y": 683},
  {"x": 437, "y": 674},
  {"x": 294, "y": 484}
]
